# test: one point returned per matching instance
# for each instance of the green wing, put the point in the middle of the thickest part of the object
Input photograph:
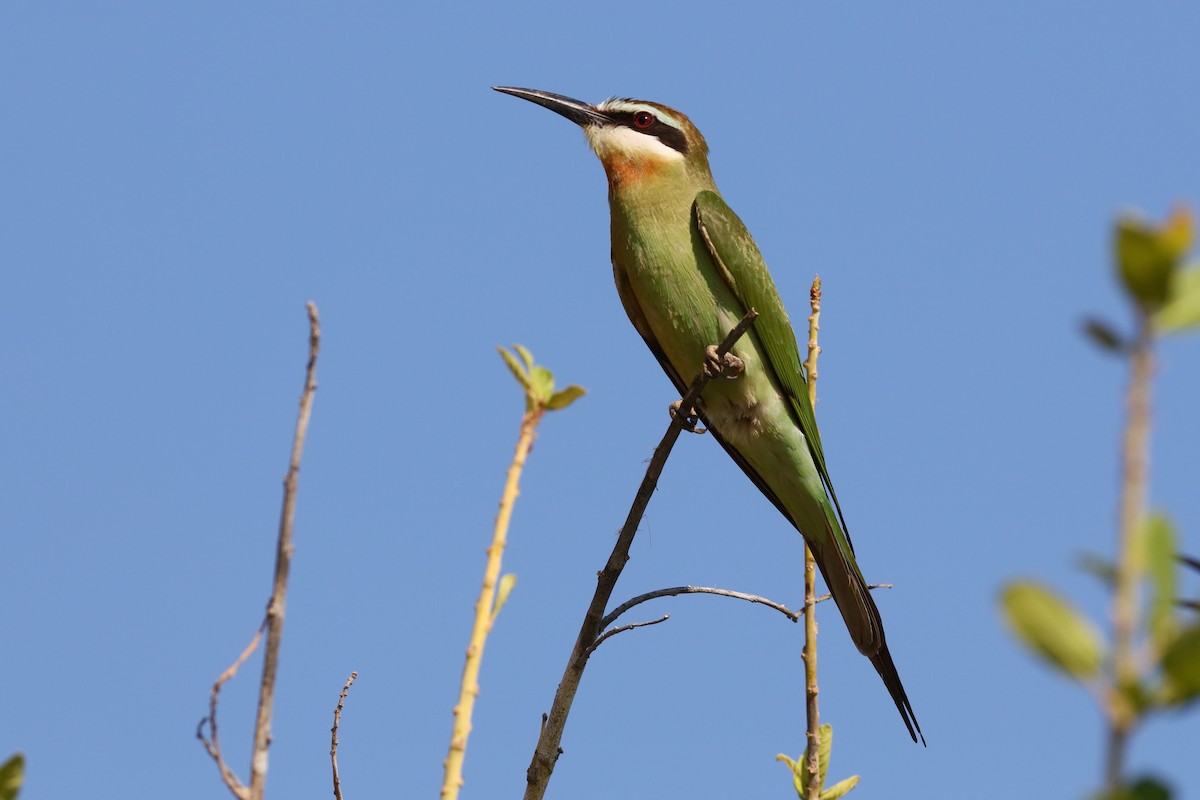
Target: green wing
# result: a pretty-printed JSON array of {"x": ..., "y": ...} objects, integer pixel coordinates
[
  {"x": 741, "y": 264},
  {"x": 737, "y": 258}
]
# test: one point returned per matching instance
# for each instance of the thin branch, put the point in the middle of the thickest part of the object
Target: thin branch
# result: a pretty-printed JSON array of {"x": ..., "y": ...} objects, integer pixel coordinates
[
  {"x": 546, "y": 752},
  {"x": 485, "y": 608},
  {"x": 212, "y": 743},
  {"x": 624, "y": 628},
  {"x": 333, "y": 741},
  {"x": 674, "y": 591},
  {"x": 283, "y": 560},
  {"x": 811, "y": 690},
  {"x": 273, "y": 621},
  {"x": 1131, "y": 511}
]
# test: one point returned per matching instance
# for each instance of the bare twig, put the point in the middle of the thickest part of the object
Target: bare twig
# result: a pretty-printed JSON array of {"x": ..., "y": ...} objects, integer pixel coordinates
[
  {"x": 212, "y": 743},
  {"x": 622, "y": 628},
  {"x": 545, "y": 755},
  {"x": 273, "y": 623},
  {"x": 811, "y": 690},
  {"x": 283, "y": 559},
  {"x": 674, "y": 591},
  {"x": 333, "y": 741}
]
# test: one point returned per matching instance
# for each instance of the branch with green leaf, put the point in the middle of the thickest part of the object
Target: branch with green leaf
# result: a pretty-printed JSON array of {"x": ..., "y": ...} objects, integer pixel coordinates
[
  {"x": 537, "y": 382},
  {"x": 1151, "y": 663}
]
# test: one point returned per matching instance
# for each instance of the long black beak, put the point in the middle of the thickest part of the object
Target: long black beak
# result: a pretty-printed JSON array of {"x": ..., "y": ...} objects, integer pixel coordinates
[{"x": 579, "y": 112}]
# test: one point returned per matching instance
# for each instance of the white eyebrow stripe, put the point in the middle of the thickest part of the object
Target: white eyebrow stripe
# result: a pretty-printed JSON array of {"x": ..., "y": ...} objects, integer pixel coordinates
[{"x": 633, "y": 106}]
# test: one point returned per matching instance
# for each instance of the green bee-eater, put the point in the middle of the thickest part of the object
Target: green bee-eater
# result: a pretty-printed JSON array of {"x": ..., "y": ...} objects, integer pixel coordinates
[{"x": 687, "y": 271}]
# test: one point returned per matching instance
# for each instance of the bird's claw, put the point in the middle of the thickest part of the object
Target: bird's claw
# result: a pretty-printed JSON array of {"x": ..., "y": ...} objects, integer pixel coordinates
[
  {"x": 691, "y": 422},
  {"x": 727, "y": 366}
]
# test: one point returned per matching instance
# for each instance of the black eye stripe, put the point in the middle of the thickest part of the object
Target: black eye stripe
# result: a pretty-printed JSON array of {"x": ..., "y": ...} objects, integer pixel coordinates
[{"x": 669, "y": 135}]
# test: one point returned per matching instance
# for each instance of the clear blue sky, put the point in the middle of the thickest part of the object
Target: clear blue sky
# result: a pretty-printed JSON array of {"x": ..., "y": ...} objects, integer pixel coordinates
[{"x": 176, "y": 180}]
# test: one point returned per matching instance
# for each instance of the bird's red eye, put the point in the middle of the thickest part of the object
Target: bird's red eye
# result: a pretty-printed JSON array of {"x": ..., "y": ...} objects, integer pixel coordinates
[{"x": 643, "y": 119}]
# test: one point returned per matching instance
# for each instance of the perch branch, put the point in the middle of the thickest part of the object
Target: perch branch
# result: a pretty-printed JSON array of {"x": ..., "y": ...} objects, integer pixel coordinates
[{"x": 546, "y": 752}]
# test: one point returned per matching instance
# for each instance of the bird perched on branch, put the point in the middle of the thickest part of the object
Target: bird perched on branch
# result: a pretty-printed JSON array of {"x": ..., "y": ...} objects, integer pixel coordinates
[{"x": 687, "y": 271}]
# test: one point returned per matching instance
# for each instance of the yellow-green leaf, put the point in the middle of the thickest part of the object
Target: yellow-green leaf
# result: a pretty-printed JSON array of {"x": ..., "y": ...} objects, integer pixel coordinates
[
  {"x": 1145, "y": 261},
  {"x": 1182, "y": 309},
  {"x": 823, "y": 752},
  {"x": 840, "y": 789},
  {"x": 502, "y": 592},
  {"x": 12, "y": 775},
  {"x": 1178, "y": 232},
  {"x": 1053, "y": 629},
  {"x": 514, "y": 367},
  {"x": 799, "y": 773},
  {"x": 1158, "y": 547},
  {"x": 1181, "y": 667},
  {"x": 541, "y": 382},
  {"x": 564, "y": 397},
  {"x": 526, "y": 356}
]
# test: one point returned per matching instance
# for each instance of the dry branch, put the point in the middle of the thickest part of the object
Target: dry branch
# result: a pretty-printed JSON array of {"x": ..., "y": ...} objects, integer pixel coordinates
[{"x": 273, "y": 623}]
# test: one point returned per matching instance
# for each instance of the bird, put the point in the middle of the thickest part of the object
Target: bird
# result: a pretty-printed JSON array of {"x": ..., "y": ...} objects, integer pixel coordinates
[{"x": 687, "y": 270}]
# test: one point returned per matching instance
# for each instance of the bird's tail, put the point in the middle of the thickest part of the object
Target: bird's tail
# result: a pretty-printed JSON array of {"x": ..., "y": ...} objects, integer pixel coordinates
[{"x": 853, "y": 599}]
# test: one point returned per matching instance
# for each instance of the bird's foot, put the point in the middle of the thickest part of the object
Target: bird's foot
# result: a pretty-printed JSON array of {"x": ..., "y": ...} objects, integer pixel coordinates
[
  {"x": 727, "y": 366},
  {"x": 691, "y": 422}
]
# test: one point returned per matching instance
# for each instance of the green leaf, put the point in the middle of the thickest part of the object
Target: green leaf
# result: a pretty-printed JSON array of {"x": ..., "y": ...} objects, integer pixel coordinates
[
  {"x": 1150, "y": 789},
  {"x": 799, "y": 773},
  {"x": 1145, "y": 262},
  {"x": 1181, "y": 667},
  {"x": 12, "y": 774},
  {"x": 1053, "y": 629},
  {"x": 502, "y": 592},
  {"x": 840, "y": 789},
  {"x": 799, "y": 767},
  {"x": 1099, "y": 567},
  {"x": 514, "y": 367},
  {"x": 823, "y": 751},
  {"x": 526, "y": 356},
  {"x": 564, "y": 397},
  {"x": 1182, "y": 309},
  {"x": 1144, "y": 788},
  {"x": 1158, "y": 546},
  {"x": 1140, "y": 697},
  {"x": 1103, "y": 334},
  {"x": 541, "y": 382}
]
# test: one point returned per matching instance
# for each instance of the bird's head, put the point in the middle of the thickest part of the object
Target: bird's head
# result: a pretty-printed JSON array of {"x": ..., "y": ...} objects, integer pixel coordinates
[{"x": 634, "y": 139}]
